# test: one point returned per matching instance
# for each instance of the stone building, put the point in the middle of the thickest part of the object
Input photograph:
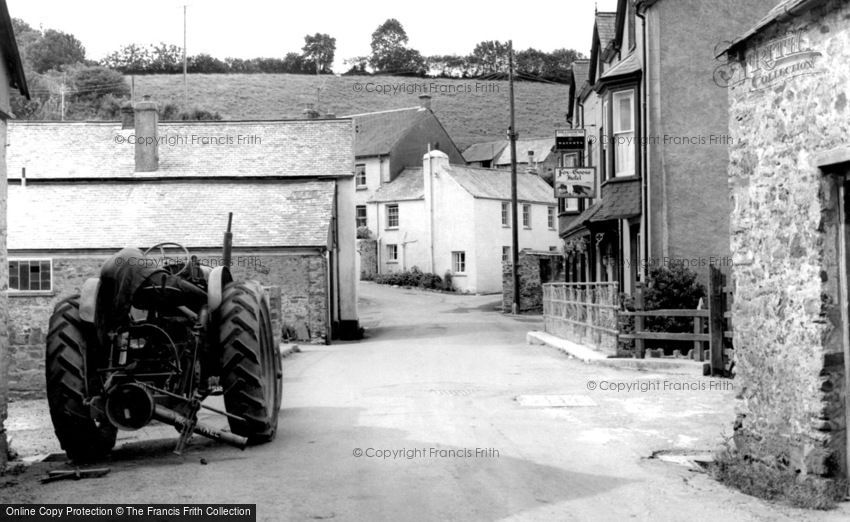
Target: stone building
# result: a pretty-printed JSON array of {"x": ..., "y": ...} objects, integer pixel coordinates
[
  {"x": 11, "y": 78},
  {"x": 789, "y": 118},
  {"x": 81, "y": 191},
  {"x": 657, "y": 137}
]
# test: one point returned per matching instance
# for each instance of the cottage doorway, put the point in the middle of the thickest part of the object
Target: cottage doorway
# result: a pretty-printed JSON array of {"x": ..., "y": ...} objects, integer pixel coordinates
[{"x": 844, "y": 271}]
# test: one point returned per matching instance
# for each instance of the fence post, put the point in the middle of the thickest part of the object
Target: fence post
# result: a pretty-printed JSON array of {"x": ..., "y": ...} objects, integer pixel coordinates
[
  {"x": 715, "y": 325},
  {"x": 640, "y": 347},
  {"x": 698, "y": 345},
  {"x": 616, "y": 302}
]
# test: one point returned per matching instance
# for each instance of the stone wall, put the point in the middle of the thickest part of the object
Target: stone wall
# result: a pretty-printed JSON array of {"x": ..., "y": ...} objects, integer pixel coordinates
[
  {"x": 298, "y": 297},
  {"x": 784, "y": 226},
  {"x": 535, "y": 268},
  {"x": 368, "y": 250}
]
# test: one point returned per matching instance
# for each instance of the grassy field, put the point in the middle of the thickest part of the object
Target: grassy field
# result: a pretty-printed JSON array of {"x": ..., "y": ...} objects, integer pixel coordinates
[{"x": 471, "y": 111}]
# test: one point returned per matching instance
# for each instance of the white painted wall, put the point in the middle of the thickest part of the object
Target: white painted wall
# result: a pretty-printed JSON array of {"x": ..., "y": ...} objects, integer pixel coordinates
[
  {"x": 491, "y": 236},
  {"x": 377, "y": 168}
]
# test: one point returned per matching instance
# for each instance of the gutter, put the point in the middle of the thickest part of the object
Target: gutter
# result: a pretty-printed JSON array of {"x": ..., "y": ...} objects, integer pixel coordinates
[{"x": 644, "y": 157}]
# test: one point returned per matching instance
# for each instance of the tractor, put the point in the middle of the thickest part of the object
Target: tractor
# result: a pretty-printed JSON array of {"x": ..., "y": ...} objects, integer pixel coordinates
[{"x": 150, "y": 340}]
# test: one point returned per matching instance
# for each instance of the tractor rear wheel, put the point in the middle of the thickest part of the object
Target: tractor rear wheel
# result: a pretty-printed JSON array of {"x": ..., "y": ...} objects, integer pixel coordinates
[
  {"x": 83, "y": 438},
  {"x": 250, "y": 364}
]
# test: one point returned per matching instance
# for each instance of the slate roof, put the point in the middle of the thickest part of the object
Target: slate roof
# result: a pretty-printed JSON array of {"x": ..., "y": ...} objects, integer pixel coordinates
[
  {"x": 10, "y": 52},
  {"x": 496, "y": 184},
  {"x": 486, "y": 151},
  {"x": 542, "y": 147},
  {"x": 477, "y": 181},
  {"x": 407, "y": 186},
  {"x": 620, "y": 200},
  {"x": 293, "y": 148},
  {"x": 626, "y": 67},
  {"x": 785, "y": 8},
  {"x": 581, "y": 72},
  {"x": 606, "y": 26},
  {"x": 377, "y": 132},
  {"x": 51, "y": 216}
]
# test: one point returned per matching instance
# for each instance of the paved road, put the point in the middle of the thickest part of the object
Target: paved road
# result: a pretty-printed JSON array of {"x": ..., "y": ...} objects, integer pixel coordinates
[{"x": 476, "y": 425}]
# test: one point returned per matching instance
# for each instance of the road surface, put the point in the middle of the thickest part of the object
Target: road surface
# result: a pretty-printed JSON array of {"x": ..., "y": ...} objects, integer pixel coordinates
[{"x": 445, "y": 413}]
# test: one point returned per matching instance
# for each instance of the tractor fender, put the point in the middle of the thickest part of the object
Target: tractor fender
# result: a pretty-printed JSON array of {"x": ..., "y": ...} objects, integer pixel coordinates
[
  {"x": 218, "y": 278},
  {"x": 88, "y": 299}
]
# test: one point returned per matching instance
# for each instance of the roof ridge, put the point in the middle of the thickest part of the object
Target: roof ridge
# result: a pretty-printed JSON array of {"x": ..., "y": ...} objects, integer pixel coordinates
[{"x": 417, "y": 107}]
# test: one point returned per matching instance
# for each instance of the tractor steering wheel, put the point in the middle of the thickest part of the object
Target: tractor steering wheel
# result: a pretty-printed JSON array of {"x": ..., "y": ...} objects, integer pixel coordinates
[{"x": 162, "y": 246}]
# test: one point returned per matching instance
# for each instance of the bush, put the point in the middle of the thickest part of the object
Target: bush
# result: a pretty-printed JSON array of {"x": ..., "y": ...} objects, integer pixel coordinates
[
  {"x": 412, "y": 277},
  {"x": 363, "y": 232},
  {"x": 447, "y": 282}
]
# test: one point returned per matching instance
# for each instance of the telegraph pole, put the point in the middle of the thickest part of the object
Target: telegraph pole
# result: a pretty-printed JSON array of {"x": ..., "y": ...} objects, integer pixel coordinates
[
  {"x": 512, "y": 135},
  {"x": 185, "y": 83}
]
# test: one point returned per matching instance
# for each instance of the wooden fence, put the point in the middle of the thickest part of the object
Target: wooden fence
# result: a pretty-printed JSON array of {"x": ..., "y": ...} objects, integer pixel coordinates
[
  {"x": 585, "y": 313},
  {"x": 588, "y": 313}
]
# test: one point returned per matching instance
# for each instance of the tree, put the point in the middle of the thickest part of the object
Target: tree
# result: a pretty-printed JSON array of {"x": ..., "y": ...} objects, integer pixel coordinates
[
  {"x": 129, "y": 59},
  {"x": 357, "y": 66},
  {"x": 531, "y": 63},
  {"x": 490, "y": 56},
  {"x": 295, "y": 63},
  {"x": 558, "y": 62},
  {"x": 319, "y": 49},
  {"x": 390, "y": 53},
  {"x": 90, "y": 83},
  {"x": 165, "y": 59},
  {"x": 55, "y": 49},
  {"x": 205, "y": 64}
]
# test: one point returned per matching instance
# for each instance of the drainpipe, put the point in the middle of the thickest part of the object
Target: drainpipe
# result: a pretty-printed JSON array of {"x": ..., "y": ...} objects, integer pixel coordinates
[{"x": 645, "y": 222}]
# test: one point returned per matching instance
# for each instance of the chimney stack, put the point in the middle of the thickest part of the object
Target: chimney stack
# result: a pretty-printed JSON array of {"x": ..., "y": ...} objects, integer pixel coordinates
[
  {"x": 311, "y": 113},
  {"x": 425, "y": 101},
  {"x": 532, "y": 167},
  {"x": 127, "y": 120},
  {"x": 145, "y": 122}
]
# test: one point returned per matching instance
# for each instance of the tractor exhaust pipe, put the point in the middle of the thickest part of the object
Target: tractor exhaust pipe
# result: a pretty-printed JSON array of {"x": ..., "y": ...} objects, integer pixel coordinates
[
  {"x": 130, "y": 406},
  {"x": 171, "y": 417},
  {"x": 228, "y": 242}
]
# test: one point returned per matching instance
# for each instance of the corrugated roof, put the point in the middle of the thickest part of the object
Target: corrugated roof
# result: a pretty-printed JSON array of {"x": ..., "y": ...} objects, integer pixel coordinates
[
  {"x": 486, "y": 151},
  {"x": 542, "y": 147},
  {"x": 606, "y": 26},
  {"x": 409, "y": 185},
  {"x": 377, "y": 132},
  {"x": 251, "y": 148},
  {"x": 48, "y": 216},
  {"x": 496, "y": 184},
  {"x": 782, "y": 9}
]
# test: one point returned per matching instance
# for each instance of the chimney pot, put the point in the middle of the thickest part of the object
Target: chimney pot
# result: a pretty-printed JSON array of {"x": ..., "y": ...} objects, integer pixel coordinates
[
  {"x": 425, "y": 101},
  {"x": 532, "y": 167},
  {"x": 145, "y": 122},
  {"x": 127, "y": 120}
]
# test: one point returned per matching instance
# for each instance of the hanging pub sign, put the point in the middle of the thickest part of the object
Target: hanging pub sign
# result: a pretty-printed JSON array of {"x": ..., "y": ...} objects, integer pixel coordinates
[
  {"x": 570, "y": 139},
  {"x": 575, "y": 182}
]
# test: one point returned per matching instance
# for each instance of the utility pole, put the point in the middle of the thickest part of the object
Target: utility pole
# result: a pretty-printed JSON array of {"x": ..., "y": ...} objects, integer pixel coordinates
[
  {"x": 512, "y": 135},
  {"x": 62, "y": 99},
  {"x": 185, "y": 83}
]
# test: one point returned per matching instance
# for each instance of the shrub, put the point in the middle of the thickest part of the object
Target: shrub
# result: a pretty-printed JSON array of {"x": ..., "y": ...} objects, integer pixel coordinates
[
  {"x": 363, "y": 232},
  {"x": 447, "y": 282},
  {"x": 412, "y": 277}
]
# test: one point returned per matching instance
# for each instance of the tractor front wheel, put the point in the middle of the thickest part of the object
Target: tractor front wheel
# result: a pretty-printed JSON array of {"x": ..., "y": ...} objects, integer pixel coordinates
[
  {"x": 251, "y": 373},
  {"x": 83, "y": 438}
]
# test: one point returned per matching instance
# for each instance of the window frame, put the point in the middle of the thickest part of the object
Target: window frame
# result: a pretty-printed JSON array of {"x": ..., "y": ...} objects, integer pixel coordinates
[
  {"x": 389, "y": 217},
  {"x": 506, "y": 255},
  {"x": 360, "y": 171},
  {"x": 526, "y": 215},
  {"x": 392, "y": 247},
  {"x": 629, "y": 149},
  {"x": 459, "y": 261},
  {"x": 29, "y": 291},
  {"x": 506, "y": 214},
  {"x": 357, "y": 209},
  {"x": 551, "y": 217}
]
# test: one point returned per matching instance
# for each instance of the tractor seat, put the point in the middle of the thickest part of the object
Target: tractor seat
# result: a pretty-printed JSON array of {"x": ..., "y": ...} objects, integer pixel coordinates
[{"x": 153, "y": 296}]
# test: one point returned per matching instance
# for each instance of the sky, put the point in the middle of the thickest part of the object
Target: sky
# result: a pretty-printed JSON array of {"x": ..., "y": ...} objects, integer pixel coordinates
[{"x": 254, "y": 28}]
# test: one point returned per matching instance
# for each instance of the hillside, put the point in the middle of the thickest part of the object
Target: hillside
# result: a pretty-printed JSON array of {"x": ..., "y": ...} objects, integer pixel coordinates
[{"x": 468, "y": 116}]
